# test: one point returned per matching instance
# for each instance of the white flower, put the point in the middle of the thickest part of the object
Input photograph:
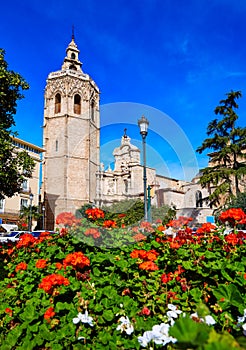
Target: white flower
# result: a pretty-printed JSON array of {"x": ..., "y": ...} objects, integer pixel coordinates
[
  {"x": 125, "y": 325},
  {"x": 84, "y": 318},
  {"x": 242, "y": 319},
  {"x": 209, "y": 320},
  {"x": 172, "y": 313},
  {"x": 244, "y": 329},
  {"x": 145, "y": 339}
]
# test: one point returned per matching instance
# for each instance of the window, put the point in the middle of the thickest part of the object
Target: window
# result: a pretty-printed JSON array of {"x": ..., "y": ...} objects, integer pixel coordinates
[
  {"x": 25, "y": 185},
  {"x": 57, "y": 103},
  {"x": 198, "y": 199},
  {"x": 77, "y": 104},
  {"x": 56, "y": 145},
  {"x": 72, "y": 67},
  {"x": 93, "y": 110},
  {"x": 73, "y": 56},
  {"x": 126, "y": 186},
  {"x": 2, "y": 205},
  {"x": 23, "y": 203}
]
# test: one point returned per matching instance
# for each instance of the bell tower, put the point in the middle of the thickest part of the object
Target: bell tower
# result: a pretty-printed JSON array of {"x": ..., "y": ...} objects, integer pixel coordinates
[{"x": 71, "y": 134}]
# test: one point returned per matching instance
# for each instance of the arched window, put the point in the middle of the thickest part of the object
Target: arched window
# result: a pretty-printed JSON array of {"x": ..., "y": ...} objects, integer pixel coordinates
[
  {"x": 57, "y": 103},
  {"x": 93, "y": 110},
  {"x": 77, "y": 104},
  {"x": 198, "y": 199},
  {"x": 72, "y": 67},
  {"x": 73, "y": 56}
]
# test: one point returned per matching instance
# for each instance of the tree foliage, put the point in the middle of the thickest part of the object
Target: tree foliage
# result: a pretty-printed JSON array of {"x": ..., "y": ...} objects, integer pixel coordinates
[
  {"x": 227, "y": 141},
  {"x": 15, "y": 167}
]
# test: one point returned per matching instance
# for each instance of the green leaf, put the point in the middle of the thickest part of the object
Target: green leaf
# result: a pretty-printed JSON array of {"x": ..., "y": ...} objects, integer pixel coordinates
[
  {"x": 108, "y": 315},
  {"x": 186, "y": 331},
  {"x": 228, "y": 295}
]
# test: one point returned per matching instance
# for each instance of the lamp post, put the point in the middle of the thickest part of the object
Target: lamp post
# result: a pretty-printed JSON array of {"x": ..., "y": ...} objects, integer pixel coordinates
[
  {"x": 30, "y": 214},
  {"x": 43, "y": 210},
  {"x": 143, "y": 124}
]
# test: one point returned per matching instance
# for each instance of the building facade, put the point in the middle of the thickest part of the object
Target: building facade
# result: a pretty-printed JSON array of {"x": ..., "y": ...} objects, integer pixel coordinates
[
  {"x": 10, "y": 207},
  {"x": 125, "y": 181},
  {"x": 70, "y": 138},
  {"x": 72, "y": 174}
]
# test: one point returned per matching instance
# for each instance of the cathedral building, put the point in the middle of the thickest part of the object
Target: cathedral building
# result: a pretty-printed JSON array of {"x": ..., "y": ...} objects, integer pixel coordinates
[{"x": 72, "y": 173}]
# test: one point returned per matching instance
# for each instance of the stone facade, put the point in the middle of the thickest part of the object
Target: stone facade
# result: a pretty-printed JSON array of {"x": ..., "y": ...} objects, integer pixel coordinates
[
  {"x": 72, "y": 175},
  {"x": 70, "y": 137},
  {"x": 125, "y": 181}
]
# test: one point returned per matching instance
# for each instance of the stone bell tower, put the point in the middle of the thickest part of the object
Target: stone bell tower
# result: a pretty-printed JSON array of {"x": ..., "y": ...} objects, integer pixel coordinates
[{"x": 70, "y": 137}]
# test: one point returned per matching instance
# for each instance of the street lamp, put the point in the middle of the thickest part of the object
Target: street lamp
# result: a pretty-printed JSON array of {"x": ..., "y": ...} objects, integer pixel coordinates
[
  {"x": 143, "y": 124},
  {"x": 30, "y": 214},
  {"x": 43, "y": 210}
]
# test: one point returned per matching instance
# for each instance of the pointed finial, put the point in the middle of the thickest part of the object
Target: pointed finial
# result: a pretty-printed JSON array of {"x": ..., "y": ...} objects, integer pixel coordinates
[
  {"x": 125, "y": 135},
  {"x": 72, "y": 32}
]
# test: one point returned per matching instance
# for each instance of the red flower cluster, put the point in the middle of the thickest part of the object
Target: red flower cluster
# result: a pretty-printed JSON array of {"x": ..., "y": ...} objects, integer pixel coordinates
[
  {"x": 94, "y": 213},
  {"x": 67, "y": 219},
  {"x": 49, "y": 313},
  {"x": 76, "y": 260},
  {"x": 180, "y": 222},
  {"x": 235, "y": 239},
  {"x": 165, "y": 278},
  {"x": 145, "y": 311},
  {"x": 148, "y": 266},
  {"x": 233, "y": 216},
  {"x": 206, "y": 228},
  {"x": 41, "y": 263},
  {"x": 146, "y": 226},
  {"x": 92, "y": 232},
  {"x": 148, "y": 257},
  {"x": 139, "y": 237},
  {"x": 48, "y": 283},
  {"x": 26, "y": 240},
  {"x": 21, "y": 266},
  {"x": 109, "y": 223},
  {"x": 59, "y": 266}
]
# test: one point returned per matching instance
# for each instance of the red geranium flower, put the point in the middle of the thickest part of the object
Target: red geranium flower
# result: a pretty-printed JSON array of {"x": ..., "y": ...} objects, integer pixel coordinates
[
  {"x": 76, "y": 260},
  {"x": 26, "y": 240},
  {"x": 9, "y": 311},
  {"x": 109, "y": 223},
  {"x": 21, "y": 266},
  {"x": 233, "y": 216},
  {"x": 48, "y": 283},
  {"x": 94, "y": 213},
  {"x": 67, "y": 219},
  {"x": 49, "y": 313},
  {"x": 41, "y": 263},
  {"x": 148, "y": 266},
  {"x": 92, "y": 232},
  {"x": 145, "y": 311}
]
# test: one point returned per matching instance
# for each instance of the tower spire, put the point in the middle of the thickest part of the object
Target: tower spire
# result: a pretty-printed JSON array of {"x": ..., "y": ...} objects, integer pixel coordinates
[{"x": 72, "y": 32}]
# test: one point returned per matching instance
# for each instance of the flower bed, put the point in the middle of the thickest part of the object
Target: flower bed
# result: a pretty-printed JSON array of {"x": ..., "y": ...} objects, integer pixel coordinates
[{"x": 91, "y": 287}]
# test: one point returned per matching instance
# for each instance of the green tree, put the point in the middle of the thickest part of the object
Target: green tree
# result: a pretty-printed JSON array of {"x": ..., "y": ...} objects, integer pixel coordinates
[
  {"x": 165, "y": 213},
  {"x": 227, "y": 143},
  {"x": 15, "y": 167}
]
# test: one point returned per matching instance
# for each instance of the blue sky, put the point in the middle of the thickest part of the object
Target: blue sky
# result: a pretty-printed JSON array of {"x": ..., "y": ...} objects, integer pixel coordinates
[{"x": 172, "y": 60}]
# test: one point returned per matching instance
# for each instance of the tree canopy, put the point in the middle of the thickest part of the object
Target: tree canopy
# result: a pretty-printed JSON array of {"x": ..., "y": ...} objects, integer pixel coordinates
[
  {"x": 15, "y": 167},
  {"x": 227, "y": 143}
]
